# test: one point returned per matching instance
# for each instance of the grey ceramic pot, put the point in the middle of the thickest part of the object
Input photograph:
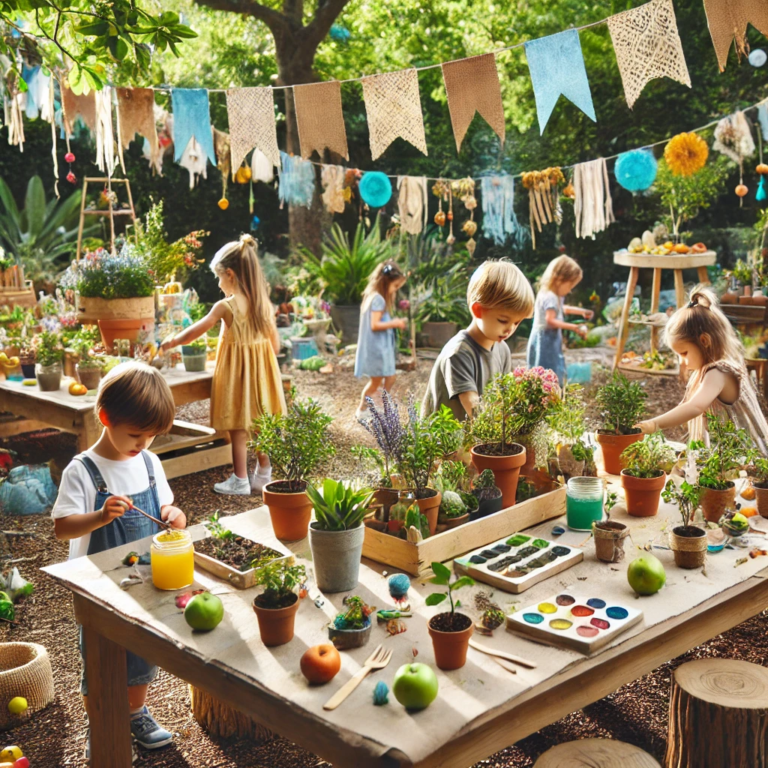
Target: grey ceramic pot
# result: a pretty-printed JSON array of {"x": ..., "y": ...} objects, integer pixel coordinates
[
  {"x": 336, "y": 557},
  {"x": 344, "y": 639}
]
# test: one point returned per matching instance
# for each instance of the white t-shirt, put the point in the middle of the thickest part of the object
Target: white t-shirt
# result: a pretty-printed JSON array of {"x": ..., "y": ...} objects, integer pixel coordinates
[{"x": 77, "y": 492}]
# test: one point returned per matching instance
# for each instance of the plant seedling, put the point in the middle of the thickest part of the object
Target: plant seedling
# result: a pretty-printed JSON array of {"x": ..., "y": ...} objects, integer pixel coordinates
[{"x": 442, "y": 577}]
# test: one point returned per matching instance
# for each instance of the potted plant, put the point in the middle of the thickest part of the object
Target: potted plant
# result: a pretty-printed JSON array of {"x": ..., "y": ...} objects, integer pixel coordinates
[
  {"x": 297, "y": 443},
  {"x": 351, "y": 628},
  {"x": 729, "y": 451},
  {"x": 647, "y": 463},
  {"x": 397, "y": 515},
  {"x": 568, "y": 424},
  {"x": 609, "y": 535},
  {"x": 27, "y": 359},
  {"x": 457, "y": 502},
  {"x": 336, "y": 537},
  {"x": 450, "y": 631},
  {"x": 89, "y": 367},
  {"x": 758, "y": 471},
  {"x": 49, "y": 353},
  {"x": 487, "y": 494},
  {"x": 276, "y": 606},
  {"x": 687, "y": 542},
  {"x": 622, "y": 404},
  {"x": 195, "y": 355}
]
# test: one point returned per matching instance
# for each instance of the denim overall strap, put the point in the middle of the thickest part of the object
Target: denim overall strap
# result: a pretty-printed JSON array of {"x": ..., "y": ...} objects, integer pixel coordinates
[{"x": 93, "y": 471}]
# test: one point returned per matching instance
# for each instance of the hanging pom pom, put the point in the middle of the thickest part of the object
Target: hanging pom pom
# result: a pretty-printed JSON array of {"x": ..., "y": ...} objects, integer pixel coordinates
[
  {"x": 69, "y": 157},
  {"x": 375, "y": 189},
  {"x": 761, "y": 196},
  {"x": 71, "y": 178},
  {"x": 686, "y": 154},
  {"x": 223, "y": 203},
  {"x": 440, "y": 218},
  {"x": 762, "y": 168},
  {"x": 636, "y": 170},
  {"x": 742, "y": 190}
]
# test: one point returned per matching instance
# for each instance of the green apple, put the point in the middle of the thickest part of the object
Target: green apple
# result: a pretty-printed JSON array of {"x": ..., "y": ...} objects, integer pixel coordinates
[
  {"x": 415, "y": 685},
  {"x": 204, "y": 611},
  {"x": 646, "y": 575}
]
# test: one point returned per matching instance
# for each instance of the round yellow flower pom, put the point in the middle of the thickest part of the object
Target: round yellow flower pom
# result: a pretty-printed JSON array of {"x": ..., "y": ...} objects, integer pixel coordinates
[
  {"x": 686, "y": 154},
  {"x": 223, "y": 203},
  {"x": 17, "y": 705}
]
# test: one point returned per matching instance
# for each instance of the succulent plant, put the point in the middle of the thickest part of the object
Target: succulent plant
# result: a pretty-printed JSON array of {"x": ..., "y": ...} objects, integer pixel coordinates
[
  {"x": 492, "y": 618},
  {"x": 485, "y": 486},
  {"x": 452, "y": 505},
  {"x": 398, "y": 511}
]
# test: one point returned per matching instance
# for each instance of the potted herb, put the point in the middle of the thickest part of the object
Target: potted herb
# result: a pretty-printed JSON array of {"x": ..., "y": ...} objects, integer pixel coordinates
[
  {"x": 27, "y": 359},
  {"x": 276, "y": 606},
  {"x": 89, "y": 367},
  {"x": 758, "y": 471},
  {"x": 351, "y": 628},
  {"x": 729, "y": 451},
  {"x": 568, "y": 423},
  {"x": 297, "y": 443},
  {"x": 416, "y": 521},
  {"x": 647, "y": 463},
  {"x": 450, "y": 631},
  {"x": 609, "y": 535},
  {"x": 457, "y": 502},
  {"x": 49, "y": 353},
  {"x": 487, "y": 494},
  {"x": 195, "y": 355},
  {"x": 687, "y": 542},
  {"x": 336, "y": 537},
  {"x": 622, "y": 404}
]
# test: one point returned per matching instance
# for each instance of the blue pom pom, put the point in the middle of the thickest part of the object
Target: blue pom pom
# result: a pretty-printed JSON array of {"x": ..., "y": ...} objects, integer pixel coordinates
[
  {"x": 340, "y": 34},
  {"x": 760, "y": 196},
  {"x": 380, "y": 694},
  {"x": 636, "y": 170},
  {"x": 375, "y": 189},
  {"x": 399, "y": 584}
]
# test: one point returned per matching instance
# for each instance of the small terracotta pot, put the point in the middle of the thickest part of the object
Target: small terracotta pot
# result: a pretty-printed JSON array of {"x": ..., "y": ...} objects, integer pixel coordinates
[
  {"x": 452, "y": 522},
  {"x": 761, "y": 497},
  {"x": 612, "y": 446},
  {"x": 609, "y": 540},
  {"x": 714, "y": 502},
  {"x": 430, "y": 507},
  {"x": 729, "y": 297},
  {"x": 276, "y": 624},
  {"x": 290, "y": 513},
  {"x": 450, "y": 647},
  {"x": 689, "y": 551},
  {"x": 642, "y": 493},
  {"x": 506, "y": 470},
  {"x": 395, "y": 526}
]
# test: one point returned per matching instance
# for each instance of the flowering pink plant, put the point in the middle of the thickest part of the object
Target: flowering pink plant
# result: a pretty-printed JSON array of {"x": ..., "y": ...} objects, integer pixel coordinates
[
  {"x": 535, "y": 390},
  {"x": 404, "y": 305}
]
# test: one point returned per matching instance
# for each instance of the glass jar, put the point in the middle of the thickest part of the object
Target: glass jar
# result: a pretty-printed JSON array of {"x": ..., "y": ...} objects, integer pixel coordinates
[
  {"x": 173, "y": 560},
  {"x": 584, "y": 502}
]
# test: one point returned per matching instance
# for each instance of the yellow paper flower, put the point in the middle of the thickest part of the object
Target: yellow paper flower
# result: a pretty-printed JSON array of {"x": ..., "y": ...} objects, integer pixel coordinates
[{"x": 686, "y": 154}]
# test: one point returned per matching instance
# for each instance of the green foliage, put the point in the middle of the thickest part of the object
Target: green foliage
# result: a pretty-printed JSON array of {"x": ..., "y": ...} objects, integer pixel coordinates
[
  {"x": 686, "y": 496},
  {"x": 297, "y": 442},
  {"x": 729, "y": 451},
  {"x": 452, "y": 476},
  {"x": 621, "y": 403},
  {"x": 611, "y": 499},
  {"x": 414, "y": 517},
  {"x": 48, "y": 348},
  {"x": 452, "y": 505},
  {"x": 102, "y": 275},
  {"x": 339, "y": 507},
  {"x": 196, "y": 347},
  {"x": 279, "y": 580},
  {"x": 442, "y": 578},
  {"x": 357, "y": 615},
  {"x": 649, "y": 457},
  {"x": 216, "y": 529},
  {"x": 567, "y": 415},
  {"x": 758, "y": 470}
]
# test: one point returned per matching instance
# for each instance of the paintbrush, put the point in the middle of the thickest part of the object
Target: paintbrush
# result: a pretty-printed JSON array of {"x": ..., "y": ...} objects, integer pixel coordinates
[
  {"x": 161, "y": 523},
  {"x": 502, "y": 655}
]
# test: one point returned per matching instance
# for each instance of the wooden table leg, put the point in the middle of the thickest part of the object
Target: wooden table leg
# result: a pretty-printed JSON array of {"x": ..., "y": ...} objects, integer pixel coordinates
[
  {"x": 703, "y": 275},
  {"x": 624, "y": 324},
  {"x": 655, "y": 291},
  {"x": 88, "y": 432},
  {"x": 679, "y": 288}
]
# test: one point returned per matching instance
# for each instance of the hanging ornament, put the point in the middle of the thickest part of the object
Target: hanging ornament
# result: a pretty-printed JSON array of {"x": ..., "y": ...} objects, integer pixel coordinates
[
  {"x": 223, "y": 203},
  {"x": 255, "y": 221},
  {"x": 761, "y": 195},
  {"x": 464, "y": 189},
  {"x": 758, "y": 57},
  {"x": 375, "y": 189},
  {"x": 451, "y": 239},
  {"x": 544, "y": 197},
  {"x": 636, "y": 170},
  {"x": 686, "y": 154},
  {"x": 70, "y": 158},
  {"x": 243, "y": 175},
  {"x": 440, "y": 190},
  {"x": 569, "y": 191},
  {"x": 742, "y": 190}
]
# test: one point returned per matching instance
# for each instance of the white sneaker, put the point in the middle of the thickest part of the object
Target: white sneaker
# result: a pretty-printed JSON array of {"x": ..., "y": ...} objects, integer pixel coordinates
[
  {"x": 234, "y": 486},
  {"x": 362, "y": 415},
  {"x": 260, "y": 478}
]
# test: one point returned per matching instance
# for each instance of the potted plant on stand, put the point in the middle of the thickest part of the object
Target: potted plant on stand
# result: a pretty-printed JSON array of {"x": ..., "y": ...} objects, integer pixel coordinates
[
  {"x": 487, "y": 494},
  {"x": 687, "y": 542},
  {"x": 195, "y": 355},
  {"x": 276, "y": 606},
  {"x": 351, "y": 628},
  {"x": 297, "y": 443},
  {"x": 450, "y": 631},
  {"x": 647, "y": 463},
  {"x": 622, "y": 404},
  {"x": 49, "y": 353},
  {"x": 336, "y": 537}
]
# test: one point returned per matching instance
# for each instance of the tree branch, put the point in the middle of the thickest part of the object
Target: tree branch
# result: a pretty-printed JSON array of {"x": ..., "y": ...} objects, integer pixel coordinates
[
  {"x": 327, "y": 12},
  {"x": 272, "y": 18}
]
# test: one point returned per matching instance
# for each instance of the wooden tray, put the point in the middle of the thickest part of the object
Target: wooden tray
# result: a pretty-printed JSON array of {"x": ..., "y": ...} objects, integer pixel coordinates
[
  {"x": 238, "y": 579},
  {"x": 417, "y": 559}
]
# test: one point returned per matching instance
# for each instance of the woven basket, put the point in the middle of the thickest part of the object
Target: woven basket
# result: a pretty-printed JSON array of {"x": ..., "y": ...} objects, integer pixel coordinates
[{"x": 25, "y": 670}]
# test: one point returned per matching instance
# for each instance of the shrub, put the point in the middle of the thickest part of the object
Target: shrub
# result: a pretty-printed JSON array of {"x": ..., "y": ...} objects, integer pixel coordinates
[{"x": 622, "y": 404}]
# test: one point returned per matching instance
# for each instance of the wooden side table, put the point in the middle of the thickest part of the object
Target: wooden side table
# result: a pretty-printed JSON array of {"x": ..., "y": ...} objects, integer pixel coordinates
[{"x": 677, "y": 263}]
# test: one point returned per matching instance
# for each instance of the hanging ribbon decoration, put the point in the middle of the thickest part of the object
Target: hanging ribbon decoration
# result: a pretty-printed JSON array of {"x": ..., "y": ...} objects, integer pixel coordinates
[{"x": 543, "y": 192}]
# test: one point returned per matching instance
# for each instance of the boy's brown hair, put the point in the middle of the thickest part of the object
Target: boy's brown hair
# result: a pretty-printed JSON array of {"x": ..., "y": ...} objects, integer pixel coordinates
[
  {"x": 501, "y": 285},
  {"x": 136, "y": 394}
]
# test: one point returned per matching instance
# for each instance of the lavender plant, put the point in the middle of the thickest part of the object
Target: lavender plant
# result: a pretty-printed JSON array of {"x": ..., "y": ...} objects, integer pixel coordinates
[{"x": 387, "y": 429}]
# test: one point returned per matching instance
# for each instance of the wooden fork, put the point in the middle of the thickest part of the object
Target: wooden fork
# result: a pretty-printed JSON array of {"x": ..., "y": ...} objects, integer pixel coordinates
[{"x": 377, "y": 660}]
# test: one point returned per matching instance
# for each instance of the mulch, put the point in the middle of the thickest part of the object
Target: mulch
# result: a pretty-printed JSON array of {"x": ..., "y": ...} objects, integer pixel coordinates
[{"x": 636, "y": 712}]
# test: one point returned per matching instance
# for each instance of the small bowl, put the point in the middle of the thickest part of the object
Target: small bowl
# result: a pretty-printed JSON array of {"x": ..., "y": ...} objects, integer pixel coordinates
[{"x": 345, "y": 639}]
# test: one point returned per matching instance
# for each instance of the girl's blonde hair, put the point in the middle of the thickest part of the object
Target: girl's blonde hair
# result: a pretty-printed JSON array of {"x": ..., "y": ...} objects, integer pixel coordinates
[
  {"x": 380, "y": 282},
  {"x": 561, "y": 270},
  {"x": 242, "y": 257},
  {"x": 701, "y": 322}
]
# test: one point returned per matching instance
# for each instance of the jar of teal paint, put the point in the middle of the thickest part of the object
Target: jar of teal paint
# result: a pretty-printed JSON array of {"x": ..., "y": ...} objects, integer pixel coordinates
[{"x": 584, "y": 502}]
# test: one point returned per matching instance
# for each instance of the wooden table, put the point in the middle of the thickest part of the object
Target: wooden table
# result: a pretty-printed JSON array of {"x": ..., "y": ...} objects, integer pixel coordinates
[
  {"x": 75, "y": 414},
  {"x": 677, "y": 263},
  {"x": 481, "y": 708}
]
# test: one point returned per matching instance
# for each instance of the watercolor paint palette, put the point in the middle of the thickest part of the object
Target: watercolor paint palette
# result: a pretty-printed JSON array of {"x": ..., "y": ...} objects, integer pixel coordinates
[
  {"x": 584, "y": 624},
  {"x": 515, "y": 563}
]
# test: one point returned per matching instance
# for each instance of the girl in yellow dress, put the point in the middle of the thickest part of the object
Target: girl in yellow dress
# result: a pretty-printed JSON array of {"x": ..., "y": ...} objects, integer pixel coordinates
[{"x": 246, "y": 381}]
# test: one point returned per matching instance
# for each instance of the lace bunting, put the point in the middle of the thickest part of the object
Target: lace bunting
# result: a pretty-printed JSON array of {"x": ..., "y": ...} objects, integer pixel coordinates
[
  {"x": 320, "y": 119},
  {"x": 105, "y": 135},
  {"x": 412, "y": 203},
  {"x": 251, "y": 113},
  {"x": 728, "y": 21}
]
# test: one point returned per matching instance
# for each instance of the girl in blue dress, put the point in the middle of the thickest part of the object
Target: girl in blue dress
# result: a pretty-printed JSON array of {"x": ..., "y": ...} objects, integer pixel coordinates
[
  {"x": 376, "y": 345},
  {"x": 545, "y": 347}
]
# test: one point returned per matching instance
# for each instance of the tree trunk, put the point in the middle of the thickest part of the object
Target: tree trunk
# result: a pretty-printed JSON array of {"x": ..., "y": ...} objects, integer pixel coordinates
[
  {"x": 718, "y": 715},
  {"x": 595, "y": 753},
  {"x": 219, "y": 719}
]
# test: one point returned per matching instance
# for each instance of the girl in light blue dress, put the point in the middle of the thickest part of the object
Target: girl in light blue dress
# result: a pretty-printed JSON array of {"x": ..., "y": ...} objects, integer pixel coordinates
[{"x": 376, "y": 345}]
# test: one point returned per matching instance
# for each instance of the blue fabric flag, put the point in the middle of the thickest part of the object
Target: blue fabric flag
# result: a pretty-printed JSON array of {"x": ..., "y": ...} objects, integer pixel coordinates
[
  {"x": 557, "y": 67},
  {"x": 191, "y": 117}
]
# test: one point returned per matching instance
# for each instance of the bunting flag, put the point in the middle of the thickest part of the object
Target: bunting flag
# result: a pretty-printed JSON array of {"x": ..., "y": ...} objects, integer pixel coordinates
[
  {"x": 192, "y": 120},
  {"x": 647, "y": 46},
  {"x": 320, "y": 119},
  {"x": 251, "y": 113},
  {"x": 472, "y": 85},
  {"x": 393, "y": 107},
  {"x": 136, "y": 114},
  {"x": 728, "y": 21},
  {"x": 77, "y": 105},
  {"x": 557, "y": 67}
]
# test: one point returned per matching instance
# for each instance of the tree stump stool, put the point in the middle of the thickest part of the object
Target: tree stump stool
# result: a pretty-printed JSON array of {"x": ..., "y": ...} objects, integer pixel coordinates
[
  {"x": 219, "y": 719},
  {"x": 718, "y": 715},
  {"x": 595, "y": 753}
]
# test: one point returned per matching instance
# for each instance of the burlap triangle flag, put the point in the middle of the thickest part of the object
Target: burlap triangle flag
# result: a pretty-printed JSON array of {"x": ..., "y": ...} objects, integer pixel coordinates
[
  {"x": 251, "y": 114},
  {"x": 393, "y": 106},
  {"x": 320, "y": 119},
  {"x": 728, "y": 20},
  {"x": 136, "y": 114},
  {"x": 74, "y": 105},
  {"x": 647, "y": 46},
  {"x": 473, "y": 86}
]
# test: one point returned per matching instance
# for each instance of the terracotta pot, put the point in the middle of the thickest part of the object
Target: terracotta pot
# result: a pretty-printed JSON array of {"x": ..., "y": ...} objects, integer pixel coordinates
[
  {"x": 452, "y": 522},
  {"x": 395, "y": 526},
  {"x": 121, "y": 329},
  {"x": 430, "y": 507},
  {"x": 612, "y": 446},
  {"x": 386, "y": 497},
  {"x": 506, "y": 470},
  {"x": 761, "y": 496},
  {"x": 642, "y": 493},
  {"x": 529, "y": 467},
  {"x": 89, "y": 377},
  {"x": 730, "y": 297},
  {"x": 689, "y": 551},
  {"x": 438, "y": 334},
  {"x": 760, "y": 301},
  {"x": 450, "y": 647},
  {"x": 276, "y": 624},
  {"x": 714, "y": 502},
  {"x": 70, "y": 364},
  {"x": 609, "y": 540},
  {"x": 746, "y": 300},
  {"x": 289, "y": 512}
]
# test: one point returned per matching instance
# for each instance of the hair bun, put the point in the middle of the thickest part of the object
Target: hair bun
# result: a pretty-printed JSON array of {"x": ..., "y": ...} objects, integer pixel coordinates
[
  {"x": 247, "y": 239},
  {"x": 702, "y": 296}
]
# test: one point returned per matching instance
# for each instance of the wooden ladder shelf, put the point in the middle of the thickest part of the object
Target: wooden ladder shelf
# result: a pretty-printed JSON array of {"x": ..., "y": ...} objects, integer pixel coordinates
[{"x": 111, "y": 212}]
